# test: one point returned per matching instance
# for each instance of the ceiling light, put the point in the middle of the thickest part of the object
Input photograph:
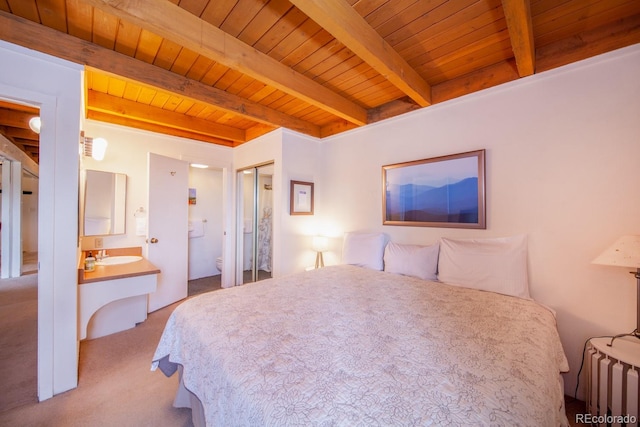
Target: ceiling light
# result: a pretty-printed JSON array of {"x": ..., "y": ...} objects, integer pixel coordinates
[
  {"x": 199, "y": 166},
  {"x": 34, "y": 124}
]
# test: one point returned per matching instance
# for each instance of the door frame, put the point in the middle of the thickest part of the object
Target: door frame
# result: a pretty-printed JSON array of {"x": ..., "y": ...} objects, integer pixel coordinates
[{"x": 56, "y": 90}]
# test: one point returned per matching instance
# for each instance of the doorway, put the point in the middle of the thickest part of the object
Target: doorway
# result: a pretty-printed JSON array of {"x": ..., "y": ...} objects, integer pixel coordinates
[
  {"x": 255, "y": 223},
  {"x": 18, "y": 219},
  {"x": 19, "y": 260},
  {"x": 29, "y": 223},
  {"x": 206, "y": 228}
]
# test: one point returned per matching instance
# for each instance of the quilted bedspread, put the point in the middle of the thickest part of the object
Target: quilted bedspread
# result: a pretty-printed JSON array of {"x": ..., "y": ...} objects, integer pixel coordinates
[{"x": 349, "y": 346}]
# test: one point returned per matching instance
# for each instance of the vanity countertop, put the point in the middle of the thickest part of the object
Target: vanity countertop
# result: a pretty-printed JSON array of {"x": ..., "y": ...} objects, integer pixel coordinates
[{"x": 118, "y": 271}]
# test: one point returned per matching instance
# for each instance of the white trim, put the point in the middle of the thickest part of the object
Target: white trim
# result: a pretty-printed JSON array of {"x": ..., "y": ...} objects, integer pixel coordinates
[{"x": 54, "y": 86}]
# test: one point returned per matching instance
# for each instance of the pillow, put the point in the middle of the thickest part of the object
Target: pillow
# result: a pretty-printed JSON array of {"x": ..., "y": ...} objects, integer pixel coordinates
[
  {"x": 496, "y": 265},
  {"x": 412, "y": 260},
  {"x": 364, "y": 249}
]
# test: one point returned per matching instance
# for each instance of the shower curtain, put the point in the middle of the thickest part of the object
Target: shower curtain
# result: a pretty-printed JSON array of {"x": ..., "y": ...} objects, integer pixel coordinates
[{"x": 264, "y": 231}]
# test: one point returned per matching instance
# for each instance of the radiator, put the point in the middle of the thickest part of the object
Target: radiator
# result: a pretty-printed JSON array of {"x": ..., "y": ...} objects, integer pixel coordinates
[{"x": 613, "y": 385}]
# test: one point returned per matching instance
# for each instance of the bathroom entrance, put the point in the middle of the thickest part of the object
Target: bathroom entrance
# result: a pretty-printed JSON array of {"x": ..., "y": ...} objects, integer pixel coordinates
[
  {"x": 206, "y": 228},
  {"x": 255, "y": 223}
]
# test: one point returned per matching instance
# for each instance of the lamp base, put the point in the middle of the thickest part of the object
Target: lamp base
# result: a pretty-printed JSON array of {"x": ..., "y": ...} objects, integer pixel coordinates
[
  {"x": 319, "y": 260},
  {"x": 635, "y": 333}
]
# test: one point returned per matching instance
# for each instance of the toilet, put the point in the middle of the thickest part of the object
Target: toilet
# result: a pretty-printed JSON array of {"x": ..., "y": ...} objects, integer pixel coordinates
[{"x": 219, "y": 264}]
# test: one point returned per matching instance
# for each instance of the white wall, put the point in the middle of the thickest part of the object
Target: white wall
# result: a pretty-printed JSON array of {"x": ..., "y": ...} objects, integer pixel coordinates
[
  {"x": 127, "y": 153},
  {"x": 29, "y": 219},
  {"x": 29, "y": 209},
  {"x": 302, "y": 162},
  {"x": 29, "y": 213},
  {"x": 55, "y": 86},
  {"x": 562, "y": 153}
]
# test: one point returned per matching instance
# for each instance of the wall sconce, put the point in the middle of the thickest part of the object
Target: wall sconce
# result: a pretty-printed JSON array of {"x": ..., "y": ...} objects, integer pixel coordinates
[
  {"x": 319, "y": 244},
  {"x": 94, "y": 147},
  {"x": 35, "y": 124}
]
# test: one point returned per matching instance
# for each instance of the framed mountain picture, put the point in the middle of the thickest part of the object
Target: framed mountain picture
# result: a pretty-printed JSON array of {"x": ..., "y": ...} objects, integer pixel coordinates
[{"x": 446, "y": 191}]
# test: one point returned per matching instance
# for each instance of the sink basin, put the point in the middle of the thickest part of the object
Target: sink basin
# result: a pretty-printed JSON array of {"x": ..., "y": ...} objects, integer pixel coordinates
[{"x": 121, "y": 259}]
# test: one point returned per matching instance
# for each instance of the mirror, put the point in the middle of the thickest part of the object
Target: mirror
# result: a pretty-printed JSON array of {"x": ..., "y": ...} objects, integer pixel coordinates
[{"x": 104, "y": 203}]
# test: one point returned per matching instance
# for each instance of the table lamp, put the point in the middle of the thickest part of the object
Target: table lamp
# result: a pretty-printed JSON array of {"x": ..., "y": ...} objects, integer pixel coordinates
[
  {"x": 319, "y": 245},
  {"x": 625, "y": 252}
]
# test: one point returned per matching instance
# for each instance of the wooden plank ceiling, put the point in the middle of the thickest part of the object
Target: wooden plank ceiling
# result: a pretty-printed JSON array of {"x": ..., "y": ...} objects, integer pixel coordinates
[{"x": 227, "y": 71}]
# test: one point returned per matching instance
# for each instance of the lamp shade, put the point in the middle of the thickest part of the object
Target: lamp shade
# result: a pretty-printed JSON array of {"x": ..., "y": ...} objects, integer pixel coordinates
[
  {"x": 625, "y": 252},
  {"x": 320, "y": 243}
]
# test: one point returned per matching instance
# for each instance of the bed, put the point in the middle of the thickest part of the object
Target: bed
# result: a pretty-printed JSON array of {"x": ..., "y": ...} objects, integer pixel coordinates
[{"x": 348, "y": 345}]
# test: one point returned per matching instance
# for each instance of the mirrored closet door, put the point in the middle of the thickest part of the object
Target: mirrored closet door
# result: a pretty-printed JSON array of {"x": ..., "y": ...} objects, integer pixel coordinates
[{"x": 255, "y": 223}]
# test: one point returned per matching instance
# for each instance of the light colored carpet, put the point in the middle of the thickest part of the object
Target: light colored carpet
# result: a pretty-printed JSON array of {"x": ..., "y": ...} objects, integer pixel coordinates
[
  {"x": 29, "y": 262},
  {"x": 116, "y": 386},
  {"x": 18, "y": 335}
]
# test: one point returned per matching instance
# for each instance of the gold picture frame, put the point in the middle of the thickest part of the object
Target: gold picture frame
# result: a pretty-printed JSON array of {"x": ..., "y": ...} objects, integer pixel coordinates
[{"x": 301, "y": 198}]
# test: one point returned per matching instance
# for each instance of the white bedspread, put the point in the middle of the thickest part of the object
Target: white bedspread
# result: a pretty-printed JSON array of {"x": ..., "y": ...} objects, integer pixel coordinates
[{"x": 349, "y": 346}]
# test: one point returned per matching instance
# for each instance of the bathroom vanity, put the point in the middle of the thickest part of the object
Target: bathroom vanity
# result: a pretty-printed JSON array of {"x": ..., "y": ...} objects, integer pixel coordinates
[{"x": 113, "y": 297}]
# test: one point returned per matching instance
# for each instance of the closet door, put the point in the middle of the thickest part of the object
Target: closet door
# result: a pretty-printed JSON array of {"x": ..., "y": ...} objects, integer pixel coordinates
[{"x": 263, "y": 225}]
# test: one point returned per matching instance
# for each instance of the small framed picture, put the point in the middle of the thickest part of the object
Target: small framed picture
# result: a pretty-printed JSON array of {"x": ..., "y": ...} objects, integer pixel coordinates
[{"x": 301, "y": 199}]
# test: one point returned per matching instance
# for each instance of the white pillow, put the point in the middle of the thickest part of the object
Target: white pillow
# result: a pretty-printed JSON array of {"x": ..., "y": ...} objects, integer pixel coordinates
[
  {"x": 364, "y": 249},
  {"x": 412, "y": 260},
  {"x": 495, "y": 264}
]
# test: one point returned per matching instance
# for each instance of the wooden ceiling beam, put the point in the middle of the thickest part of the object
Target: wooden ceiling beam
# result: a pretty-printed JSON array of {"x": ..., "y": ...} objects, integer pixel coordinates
[
  {"x": 257, "y": 130},
  {"x": 484, "y": 78},
  {"x": 19, "y": 107},
  {"x": 391, "y": 109},
  {"x": 616, "y": 35},
  {"x": 16, "y": 119},
  {"x": 137, "y": 124},
  {"x": 178, "y": 25},
  {"x": 38, "y": 37},
  {"x": 347, "y": 26},
  {"x": 22, "y": 134},
  {"x": 98, "y": 101},
  {"x": 624, "y": 32},
  {"x": 518, "y": 16},
  {"x": 27, "y": 145}
]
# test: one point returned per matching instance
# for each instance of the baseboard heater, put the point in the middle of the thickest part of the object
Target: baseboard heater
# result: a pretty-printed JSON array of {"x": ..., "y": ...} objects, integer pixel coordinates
[{"x": 613, "y": 386}]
